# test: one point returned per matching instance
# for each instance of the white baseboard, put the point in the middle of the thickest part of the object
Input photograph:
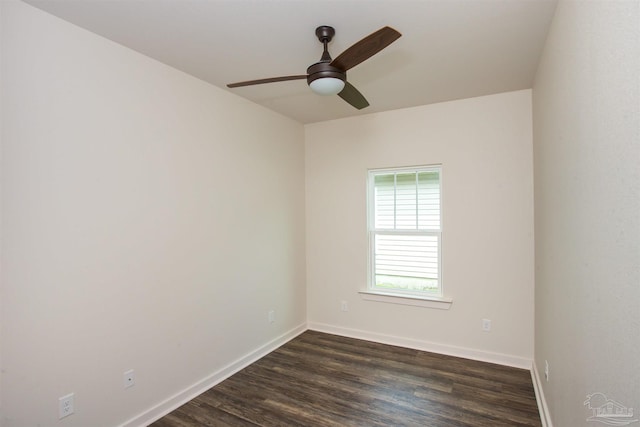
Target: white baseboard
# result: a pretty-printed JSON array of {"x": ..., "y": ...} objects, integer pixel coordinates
[
  {"x": 467, "y": 353},
  {"x": 545, "y": 417},
  {"x": 182, "y": 397}
]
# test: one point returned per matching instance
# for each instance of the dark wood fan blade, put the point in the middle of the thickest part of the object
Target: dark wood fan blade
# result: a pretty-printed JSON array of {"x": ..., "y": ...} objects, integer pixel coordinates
[
  {"x": 353, "y": 96},
  {"x": 269, "y": 80},
  {"x": 366, "y": 48}
]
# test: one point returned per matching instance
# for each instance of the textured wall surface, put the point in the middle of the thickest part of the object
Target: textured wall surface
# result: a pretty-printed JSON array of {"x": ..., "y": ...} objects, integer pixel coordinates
[
  {"x": 149, "y": 221},
  {"x": 586, "y": 114},
  {"x": 484, "y": 147}
]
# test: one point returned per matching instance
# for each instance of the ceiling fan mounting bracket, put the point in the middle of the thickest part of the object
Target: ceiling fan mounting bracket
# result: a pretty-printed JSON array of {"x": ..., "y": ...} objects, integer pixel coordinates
[{"x": 325, "y": 33}]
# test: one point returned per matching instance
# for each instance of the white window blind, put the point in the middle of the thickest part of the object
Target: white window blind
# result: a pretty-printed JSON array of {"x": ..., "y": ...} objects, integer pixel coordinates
[{"x": 405, "y": 230}]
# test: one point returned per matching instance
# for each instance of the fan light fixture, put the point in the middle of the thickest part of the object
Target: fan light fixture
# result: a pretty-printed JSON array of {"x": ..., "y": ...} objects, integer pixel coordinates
[{"x": 327, "y": 86}]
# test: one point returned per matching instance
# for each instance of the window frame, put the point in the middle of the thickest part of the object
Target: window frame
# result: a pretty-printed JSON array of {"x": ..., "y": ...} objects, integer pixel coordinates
[{"x": 402, "y": 296}]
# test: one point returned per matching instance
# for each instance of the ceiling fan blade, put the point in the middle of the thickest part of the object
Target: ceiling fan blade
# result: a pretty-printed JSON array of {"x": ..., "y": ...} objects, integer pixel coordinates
[
  {"x": 269, "y": 80},
  {"x": 353, "y": 96},
  {"x": 366, "y": 48}
]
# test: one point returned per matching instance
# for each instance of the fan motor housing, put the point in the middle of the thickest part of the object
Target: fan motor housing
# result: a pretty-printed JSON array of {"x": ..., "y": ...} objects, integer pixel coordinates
[{"x": 321, "y": 70}]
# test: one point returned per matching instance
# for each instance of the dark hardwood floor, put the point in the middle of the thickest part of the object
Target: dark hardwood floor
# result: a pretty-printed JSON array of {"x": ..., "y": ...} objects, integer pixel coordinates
[{"x": 320, "y": 379}]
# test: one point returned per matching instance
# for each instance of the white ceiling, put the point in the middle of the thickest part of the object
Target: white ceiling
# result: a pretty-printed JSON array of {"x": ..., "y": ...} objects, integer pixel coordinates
[{"x": 449, "y": 49}]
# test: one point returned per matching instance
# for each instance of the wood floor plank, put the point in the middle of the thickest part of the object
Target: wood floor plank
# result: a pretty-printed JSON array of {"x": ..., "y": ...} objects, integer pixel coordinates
[{"x": 320, "y": 379}]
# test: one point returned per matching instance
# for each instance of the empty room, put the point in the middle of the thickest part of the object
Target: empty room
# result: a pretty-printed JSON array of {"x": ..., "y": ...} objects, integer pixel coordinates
[{"x": 319, "y": 213}]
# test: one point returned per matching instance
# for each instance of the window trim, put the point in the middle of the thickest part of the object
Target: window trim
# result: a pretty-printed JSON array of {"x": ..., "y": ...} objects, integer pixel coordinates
[
  {"x": 399, "y": 296},
  {"x": 441, "y": 303}
]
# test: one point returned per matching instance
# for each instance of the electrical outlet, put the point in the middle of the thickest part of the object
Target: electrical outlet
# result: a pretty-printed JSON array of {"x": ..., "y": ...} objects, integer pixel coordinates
[
  {"x": 486, "y": 325},
  {"x": 344, "y": 306},
  {"x": 272, "y": 316},
  {"x": 546, "y": 370},
  {"x": 129, "y": 378},
  {"x": 65, "y": 406}
]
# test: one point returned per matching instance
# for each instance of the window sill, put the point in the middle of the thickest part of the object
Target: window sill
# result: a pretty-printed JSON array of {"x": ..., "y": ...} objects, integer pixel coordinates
[{"x": 418, "y": 301}]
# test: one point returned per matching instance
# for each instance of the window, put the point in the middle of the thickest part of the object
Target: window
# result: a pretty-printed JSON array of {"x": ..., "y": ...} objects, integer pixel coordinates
[{"x": 405, "y": 231}]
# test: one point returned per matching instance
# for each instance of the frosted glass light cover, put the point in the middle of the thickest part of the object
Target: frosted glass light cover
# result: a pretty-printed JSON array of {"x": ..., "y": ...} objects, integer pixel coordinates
[{"x": 327, "y": 86}]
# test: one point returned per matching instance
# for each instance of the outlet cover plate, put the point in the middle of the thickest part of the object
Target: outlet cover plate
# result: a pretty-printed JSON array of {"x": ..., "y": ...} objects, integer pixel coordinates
[{"x": 65, "y": 405}]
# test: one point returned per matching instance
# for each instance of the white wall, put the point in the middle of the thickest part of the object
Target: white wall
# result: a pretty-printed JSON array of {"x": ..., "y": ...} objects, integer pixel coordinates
[
  {"x": 586, "y": 110},
  {"x": 149, "y": 222},
  {"x": 484, "y": 145}
]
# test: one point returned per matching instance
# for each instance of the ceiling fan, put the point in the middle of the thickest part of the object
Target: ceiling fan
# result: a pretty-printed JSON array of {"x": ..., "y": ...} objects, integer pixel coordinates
[{"x": 329, "y": 77}]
